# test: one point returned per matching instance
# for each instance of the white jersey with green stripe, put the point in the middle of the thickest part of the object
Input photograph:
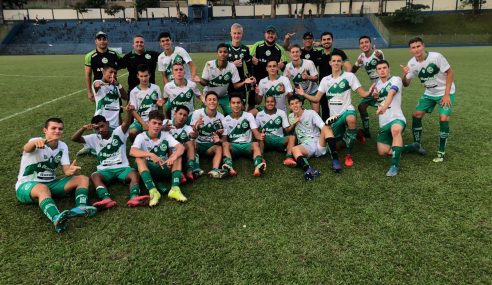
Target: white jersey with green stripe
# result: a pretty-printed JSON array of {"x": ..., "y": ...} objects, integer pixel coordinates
[
  {"x": 165, "y": 62},
  {"x": 40, "y": 165},
  {"x": 159, "y": 146},
  {"x": 432, "y": 73},
  {"x": 273, "y": 124},
  {"x": 239, "y": 130},
  {"x": 369, "y": 63},
  {"x": 394, "y": 111},
  {"x": 145, "y": 101},
  {"x": 295, "y": 74},
  {"x": 182, "y": 135},
  {"x": 210, "y": 125},
  {"x": 181, "y": 95},
  {"x": 338, "y": 91},
  {"x": 269, "y": 87},
  {"x": 308, "y": 129},
  {"x": 111, "y": 152},
  {"x": 107, "y": 103},
  {"x": 219, "y": 79}
]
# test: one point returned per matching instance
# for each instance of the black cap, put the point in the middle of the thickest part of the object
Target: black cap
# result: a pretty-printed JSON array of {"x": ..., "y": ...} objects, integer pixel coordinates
[
  {"x": 308, "y": 35},
  {"x": 270, "y": 29}
]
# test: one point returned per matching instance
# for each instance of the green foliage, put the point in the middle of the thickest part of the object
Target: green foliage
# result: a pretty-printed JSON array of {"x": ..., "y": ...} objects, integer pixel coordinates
[
  {"x": 80, "y": 7},
  {"x": 95, "y": 3},
  {"x": 411, "y": 13},
  {"x": 476, "y": 5},
  {"x": 142, "y": 5},
  {"x": 13, "y": 4},
  {"x": 113, "y": 9}
]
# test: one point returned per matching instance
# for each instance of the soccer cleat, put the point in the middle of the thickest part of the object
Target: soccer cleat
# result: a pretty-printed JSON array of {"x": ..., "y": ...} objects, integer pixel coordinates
[
  {"x": 105, "y": 204},
  {"x": 154, "y": 197},
  {"x": 439, "y": 158},
  {"x": 175, "y": 193},
  {"x": 229, "y": 169},
  {"x": 311, "y": 173},
  {"x": 137, "y": 201},
  {"x": 83, "y": 211},
  {"x": 393, "y": 171},
  {"x": 289, "y": 161},
  {"x": 361, "y": 138},
  {"x": 60, "y": 221},
  {"x": 84, "y": 150},
  {"x": 260, "y": 169},
  {"x": 183, "y": 179},
  {"x": 217, "y": 173},
  {"x": 336, "y": 165},
  {"x": 417, "y": 148},
  {"x": 189, "y": 176},
  {"x": 349, "y": 162},
  {"x": 198, "y": 172},
  {"x": 331, "y": 120}
]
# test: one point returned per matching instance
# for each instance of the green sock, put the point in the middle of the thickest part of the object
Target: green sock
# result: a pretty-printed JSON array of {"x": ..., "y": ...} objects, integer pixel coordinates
[
  {"x": 258, "y": 160},
  {"x": 102, "y": 193},
  {"x": 365, "y": 122},
  {"x": 161, "y": 187},
  {"x": 228, "y": 161},
  {"x": 134, "y": 191},
  {"x": 147, "y": 179},
  {"x": 190, "y": 165},
  {"x": 349, "y": 139},
  {"x": 395, "y": 159},
  {"x": 417, "y": 129},
  {"x": 49, "y": 208},
  {"x": 289, "y": 155},
  {"x": 408, "y": 148},
  {"x": 443, "y": 135},
  {"x": 81, "y": 195},
  {"x": 175, "y": 178}
]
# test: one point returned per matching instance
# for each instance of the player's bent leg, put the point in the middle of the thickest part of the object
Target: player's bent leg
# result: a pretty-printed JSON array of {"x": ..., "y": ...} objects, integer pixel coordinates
[
  {"x": 227, "y": 158},
  {"x": 327, "y": 139},
  {"x": 417, "y": 126},
  {"x": 42, "y": 194},
  {"x": 259, "y": 162},
  {"x": 80, "y": 184},
  {"x": 384, "y": 149},
  {"x": 290, "y": 142},
  {"x": 443, "y": 137},
  {"x": 364, "y": 115},
  {"x": 301, "y": 153},
  {"x": 102, "y": 193},
  {"x": 132, "y": 178},
  {"x": 315, "y": 107}
]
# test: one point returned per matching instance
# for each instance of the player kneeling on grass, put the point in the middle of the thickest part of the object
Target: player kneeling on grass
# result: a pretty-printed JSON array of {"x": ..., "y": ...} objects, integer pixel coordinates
[
  {"x": 155, "y": 161},
  {"x": 313, "y": 137},
  {"x": 274, "y": 123},
  {"x": 146, "y": 97},
  {"x": 112, "y": 162},
  {"x": 37, "y": 180},
  {"x": 237, "y": 140}
]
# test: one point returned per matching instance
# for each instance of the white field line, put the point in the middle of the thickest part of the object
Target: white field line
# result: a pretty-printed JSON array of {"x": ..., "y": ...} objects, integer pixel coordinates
[{"x": 37, "y": 76}]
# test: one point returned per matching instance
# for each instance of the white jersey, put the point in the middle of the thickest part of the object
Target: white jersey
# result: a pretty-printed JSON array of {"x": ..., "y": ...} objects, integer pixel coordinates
[
  {"x": 145, "y": 101},
  {"x": 239, "y": 130},
  {"x": 40, "y": 165},
  {"x": 219, "y": 79},
  {"x": 369, "y": 64},
  {"x": 295, "y": 74},
  {"x": 165, "y": 62},
  {"x": 110, "y": 153},
  {"x": 394, "y": 111},
  {"x": 160, "y": 146},
  {"x": 338, "y": 91},
  {"x": 181, "y": 96},
  {"x": 210, "y": 125},
  {"x": 273, "y": 124},
  {"x": 108, "y": 103},
  {"x": 182, "y": 135},
  {"x": 432, "y": 73},
  {"x": 308, "y": 129},
  {"x": 269, "y": 87}
]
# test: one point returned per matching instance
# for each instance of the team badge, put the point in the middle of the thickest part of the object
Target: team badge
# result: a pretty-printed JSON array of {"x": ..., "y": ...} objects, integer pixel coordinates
[
  {"x": 430, "y": 69},
  {"x": 104, "y": 60},
  {"x": 308, "y": 56},
  {"x": 278, "y": 121},
  {"x": 245, "y": 125},
  {"x": 268, "y": 53},
  {"x": 226, "y": 77},
  {"x": 148, "y": 56},
  {"x": 342, "y": 84},
  {"x": 163, "y": 147}
]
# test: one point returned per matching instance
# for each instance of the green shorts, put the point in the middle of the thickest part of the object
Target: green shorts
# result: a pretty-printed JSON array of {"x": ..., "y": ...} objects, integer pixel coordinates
[
  {"x": 384, "y": 134},
  {"x": 115, "y": 173},
  {"x": 369, "y": 101},
  {"x": 427, "y": 103},
  {"x": 241, "y": 149},
  {"x": 224, "y": 103},
  {"x": 157, "y": 172},
  {"x": 202, "y": 148},
  {"x": 273, "y": 142},
  {"x": 57, "y": 189},
  {"x": 136, "y": 126},
  {"x": 340, "y": 124}
]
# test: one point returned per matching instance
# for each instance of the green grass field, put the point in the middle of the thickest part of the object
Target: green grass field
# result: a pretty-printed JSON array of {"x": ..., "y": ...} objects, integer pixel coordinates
[{"x": 429, "y": 225}]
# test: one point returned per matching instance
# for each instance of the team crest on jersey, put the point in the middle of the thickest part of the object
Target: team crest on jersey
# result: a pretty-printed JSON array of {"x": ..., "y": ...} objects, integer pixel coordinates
[
  {"x": 430, "y": 69},
  {"x": 148, "y": 56},
  {"x": 268, "y": 53},
  {"x": 163, "y": 147},
  {"x": 235, "y": 56},
  {"x": 153, "y": 96},
  {"x": 278, "y": 121},
  {"x": 342, "y": 85},
  {"x": 244, "y": 124},
  {"x": 104, "y": 60},
  {"x": 178, "y": 60},
  {"x": 45, "y": 156},
  {"x": 308, "y": 56},
  {"x": 226, "y": 77}
]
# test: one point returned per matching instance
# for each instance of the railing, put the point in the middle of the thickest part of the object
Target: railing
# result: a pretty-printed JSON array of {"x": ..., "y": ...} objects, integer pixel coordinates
[{"x": 378, "y": 24}]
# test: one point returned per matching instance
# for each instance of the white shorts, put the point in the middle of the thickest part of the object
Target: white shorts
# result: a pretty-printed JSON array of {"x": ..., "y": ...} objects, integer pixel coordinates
[{"x": 314, "y": 149}]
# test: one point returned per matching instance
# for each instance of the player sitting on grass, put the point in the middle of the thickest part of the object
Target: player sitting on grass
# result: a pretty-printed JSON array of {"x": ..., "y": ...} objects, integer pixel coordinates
[
  {"x": 275, "y": 124},
  {"x": 146, "y": 97},
  {"x": 207, "y": 122},
  {"x": 274, "y": 85},
  {"x": 338, "y": 87},
  {"x": 237, "y": 139},
  {"x": 313, "y": 137},
  {"x": 37, "y": 182},
  {"x": 156, "y": 161},
  {"x": 112, "y": 162}
]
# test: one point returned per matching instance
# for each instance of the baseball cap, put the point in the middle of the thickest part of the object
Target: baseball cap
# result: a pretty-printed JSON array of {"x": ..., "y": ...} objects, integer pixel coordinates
[
  {"x": 270, "y": 29},
  {"x": 308, "y": 35},
  {"x": 101, "y": 34}
]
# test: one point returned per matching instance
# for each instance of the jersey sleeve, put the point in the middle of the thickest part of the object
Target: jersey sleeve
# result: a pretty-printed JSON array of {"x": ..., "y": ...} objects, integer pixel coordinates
[
  {"x": 261, "y": 88},
  {"x": 442, "y": 63},
  {"x": 138, "y": 143},
  {"x": 133, "y": 99},
  {"x": 312, "y": 68},
  {"x": 194, "y": 117},
  {"x": 170, "y": 139},
  {"x": 317, "y": 121},
  {"x": 165, "y": 91},
  {"x": 323, "y": 85},
  {"x": 396, "y": 83},
  {"x": 354, "y": 82},
  {"x": 285, "y": 120},
  {"x": 185, "y": 55},
  {"x": 88, "y": 59},
  {"x": 252, "y": 121},
  {"x": 160, "y": 64},
  {"x": 206, "y": 71},
  {"x": 195, "y": 90},
  {"x": 235, "y": 74},
  {"x": 288, "y": 86},
  {"x": 65, "y": 159},
  {"x": 413, "y": 70},
  {"x": 90, "y": 140}
]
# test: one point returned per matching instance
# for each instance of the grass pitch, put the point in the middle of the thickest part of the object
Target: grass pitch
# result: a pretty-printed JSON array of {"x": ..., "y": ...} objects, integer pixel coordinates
[{"x": 430, "y": 224}]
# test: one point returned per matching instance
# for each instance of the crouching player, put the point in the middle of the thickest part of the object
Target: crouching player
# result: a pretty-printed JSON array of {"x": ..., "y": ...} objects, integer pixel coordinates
[
  {"x": 112, "y": 162},
  {"x": 37, "y": 180},
  {"x": 274, "y": 123},
  {"x": 155, "y": 161},
  {"x": 237, "y": 139}
]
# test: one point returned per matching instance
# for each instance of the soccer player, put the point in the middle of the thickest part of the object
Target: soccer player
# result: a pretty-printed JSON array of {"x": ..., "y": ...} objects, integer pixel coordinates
[
  {"x": 368, "y": 59},
  {"x": 313, "y": 137},
  {"x": 338, "y": 88},
  {"x": 37, "y": 182},
  {"x": 112, "y": 162},
  {"x": 172, "y": 55},
  {"x": 274, "y": 85},
  {"x": 219, "y": 74},
  {"x": 274, "y": 123},
  {"x": 146, "y": 97},
  {"x": 207, "y": 122},
  {"x": 436, "y": 75},
  {"x": 308, "y": 51},
  {"x": 237, "y": 139},
  {"x": 139, "y": 55},
  {"x": 96, "y": 59},
  {"x": 156, "y": 160},
  {"x": 180, "y": 91},
  {"x": 303, "y": 73}
]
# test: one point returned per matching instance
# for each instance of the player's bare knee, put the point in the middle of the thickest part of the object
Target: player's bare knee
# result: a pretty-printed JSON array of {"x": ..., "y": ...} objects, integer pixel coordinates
[
  {"x": 40, "y": 192},
  {"x": 443, "y": 118},
  {"x": 418, "y": 114}
]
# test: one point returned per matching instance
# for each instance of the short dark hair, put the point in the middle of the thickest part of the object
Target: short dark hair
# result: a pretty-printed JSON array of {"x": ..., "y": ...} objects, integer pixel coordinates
[
  {"x": 294, "y": 97},
  {"x": 54, "y": 120},
  {"x": 182, "y": 107},
  {"x": 178, "y": 63},
  {"x": 222, "y": 45},
  {"x": 415, "y": 40},
  {"x": 382, "y": 61},
  {"x": 164, "y": 35},
  {"x": 142, "y": 67},
  {"x": 365, "y": 37},
  {"x": 138, "y": 36},
  {"x": 211, "y": 93},
  {"x": 235, "y": 95},
  {"x": 337, "y": 53},
  {"x": 98, "y": 119},
  {"x": 294, "y": 46},
  {"x": 156, "y": 115},
  {"x": 110, "y": 65},
  {"x": 327, "y": 33}
]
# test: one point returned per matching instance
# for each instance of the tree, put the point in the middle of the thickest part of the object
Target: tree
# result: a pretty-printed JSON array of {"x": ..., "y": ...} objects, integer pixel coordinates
[
  {"x": 233, "y": 9},
  {"x": 13, "y": 4},
  {"x": 81, "y": 8},
  {"x": 350, "y": 7},
  {"x": 112, "y": 10},
  {"x": 142, "y": 5},
  {"x": 95, "y": 3},
  {"x": 411, "y": 13},
  {"x": 273, "y": 14},
  {"x": 476, "y": 5}
]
